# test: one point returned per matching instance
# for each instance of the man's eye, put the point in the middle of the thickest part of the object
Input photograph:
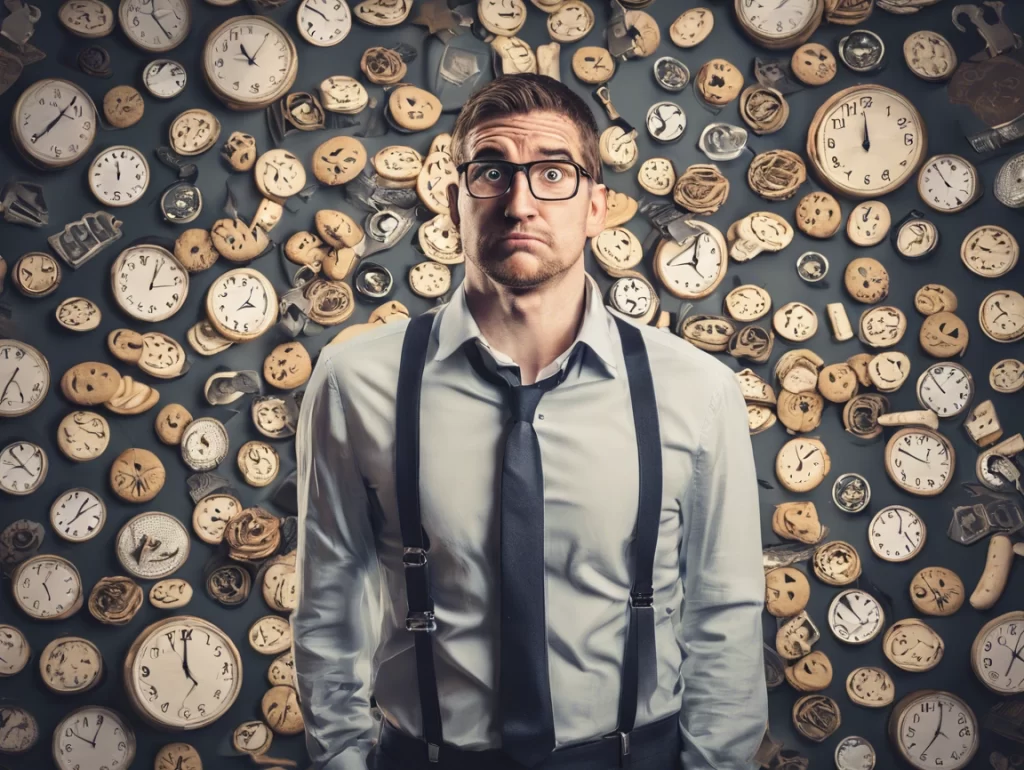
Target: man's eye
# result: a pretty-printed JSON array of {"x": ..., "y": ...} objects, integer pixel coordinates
[{"x": 553, "y": 174}]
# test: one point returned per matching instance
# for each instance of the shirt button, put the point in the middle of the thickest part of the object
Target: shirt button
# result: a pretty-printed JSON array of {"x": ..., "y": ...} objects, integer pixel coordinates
[{"x": 540, "y": 417}]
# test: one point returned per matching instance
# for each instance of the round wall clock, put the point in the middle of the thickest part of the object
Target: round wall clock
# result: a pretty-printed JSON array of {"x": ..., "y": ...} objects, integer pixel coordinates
[
  {"x": 54, "y": 123},
  {"x": 71, "y": 664},
  {"x": 164, "y": 78},
  {"x": 36, "y": 274},
  {"x": 1001, "y": 315},
  {"x": 920, "y": 461},
  {"x": 194, "y": 132},
  {"x": 93, "y": 737},
  {"x": 855, "y": 617},
  {"x": 24, "y": 378},
  {"x": 155, "y": 25},
  {"x": 779, "y": 25},
  {"x": 23, "y": 467},
  {"x": 21, "y": 731},
  {"x": 204, "y": 444},
  {"x": 896, "y": 533},
  {"x": 176, "y": 699},
  {"x": 694, "y": 268},
  {"x": 866, "y": 141},
  {"x": 149, "y": 283},
  {"x": 78, "y": 515},
  {"x": 934, "y": 730},
  {"x": 119, "y": 176},
  {"x": 947, "y": 389},
  {"x": 997, "y": 651},
  {"x": 802, "y": 464},
  {"x": 989, "y": 251},
  {"x": 48, "y": 587},
  {"x": 241, "y": 304},
  {"x": 249, "y": 62},
  {"x": 948, "y": 183},
  {"x": 323, "y": 22},
  {"x": 15, "y": 651},
  {"x": 916, "y": 238},
  {"x": 152, "y": 545}
]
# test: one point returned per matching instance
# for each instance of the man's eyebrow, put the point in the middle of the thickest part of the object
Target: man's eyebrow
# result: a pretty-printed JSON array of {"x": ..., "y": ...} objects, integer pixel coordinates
[{"x": 548, "y": 152}]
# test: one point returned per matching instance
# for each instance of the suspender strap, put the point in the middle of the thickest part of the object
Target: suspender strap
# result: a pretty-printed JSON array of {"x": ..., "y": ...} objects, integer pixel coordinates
[
  {"x": 639, "y": 676},
  {"x": 420, "y": 619}
]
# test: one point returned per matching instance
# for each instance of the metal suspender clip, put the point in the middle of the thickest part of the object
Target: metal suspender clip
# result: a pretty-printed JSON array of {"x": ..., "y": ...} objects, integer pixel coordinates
[
  {"x": 642, "y": 599},
  {"x": 414, "y": 557},
  {"x": 433, "y": 752},
  {"x": 624, "y": 750},
  {"x": 420, "y": 621}
]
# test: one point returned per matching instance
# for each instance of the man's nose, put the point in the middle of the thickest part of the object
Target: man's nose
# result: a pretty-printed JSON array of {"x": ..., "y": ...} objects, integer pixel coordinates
[{"x": 520, "y": 203}]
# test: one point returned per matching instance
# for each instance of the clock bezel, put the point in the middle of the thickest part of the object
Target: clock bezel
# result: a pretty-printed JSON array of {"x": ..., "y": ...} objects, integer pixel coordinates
[
  {"x": 36, "y": 159},
  {"x": 169, "y": 46},
  {"x": 952, "y": 365},
  {"x": 105, "y": 201},
  {"x": 115, "y": 269},
  {"x": 975, "y": 183},
  {"x": 934, "y": 434},
  {"x": 237, "y": 101}
]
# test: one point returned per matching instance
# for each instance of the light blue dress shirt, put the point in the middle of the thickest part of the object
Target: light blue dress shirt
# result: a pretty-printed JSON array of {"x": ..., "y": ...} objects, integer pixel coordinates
[{"x": 349, "y": 626}]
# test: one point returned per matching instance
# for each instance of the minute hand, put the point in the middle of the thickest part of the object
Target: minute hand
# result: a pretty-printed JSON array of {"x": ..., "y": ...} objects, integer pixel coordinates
[{"x": 867, "y": 139}]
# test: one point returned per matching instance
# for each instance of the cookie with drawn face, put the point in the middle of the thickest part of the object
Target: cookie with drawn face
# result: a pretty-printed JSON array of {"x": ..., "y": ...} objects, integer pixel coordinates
[
  {"x": 288, "y": 366},
  {"x": 274, "y": 416},
  {"x": 719, "y": 82},
  {"x": 339, "y": 160},
  {"x": 437, "y": 174},
  {"x": 195, "y": 250},
  {"x": 795, "y": 322},
  {"x": 162, "y": 356},
  {"x": 501, "y": 17},
  {"x": 787, "y": 591},
  {"x": 382, "y": 13},
  {"x": 306, "y": 248},
  {"x": 123, "y": 106},
  {"x": 343, "y": 94},
  {"x": 439, "y": 238},
  {"x": 813, "y": 64},
  {"x": 616, "y": 249},
  {"x": 78, "y": 314},
  {"x": 398, "y": 163},
  {"x": 171, "y": 422},
  {"x": 414, "y": 109},
  {"x": 657, "y": 176},
  {"x": 430, "y": 279},
  {"x": 236, "y": 241},
  {"x": 239, "y": 151}
]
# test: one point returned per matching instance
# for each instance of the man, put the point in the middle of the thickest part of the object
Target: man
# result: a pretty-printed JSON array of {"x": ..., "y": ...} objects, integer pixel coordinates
[{"x": 555, "y": 570}]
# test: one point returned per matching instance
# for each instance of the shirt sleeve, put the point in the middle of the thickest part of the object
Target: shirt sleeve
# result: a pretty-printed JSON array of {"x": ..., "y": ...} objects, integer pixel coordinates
[
  {"x": 335, "y": 623},
  {"x": 725, "y": 697}
]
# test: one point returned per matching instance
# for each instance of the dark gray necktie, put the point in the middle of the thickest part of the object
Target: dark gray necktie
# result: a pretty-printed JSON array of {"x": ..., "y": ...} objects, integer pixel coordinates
[{"x": 527, "y": 723}]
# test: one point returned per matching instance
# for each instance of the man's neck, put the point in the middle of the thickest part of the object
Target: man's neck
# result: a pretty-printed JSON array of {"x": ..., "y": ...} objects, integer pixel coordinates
[{"x": 532, "y": 328}]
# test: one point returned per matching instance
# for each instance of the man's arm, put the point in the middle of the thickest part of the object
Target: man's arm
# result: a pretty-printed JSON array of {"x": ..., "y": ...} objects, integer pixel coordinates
[
  {"x": 336, "y": 621},
  {"x": 725, "y": 698}
]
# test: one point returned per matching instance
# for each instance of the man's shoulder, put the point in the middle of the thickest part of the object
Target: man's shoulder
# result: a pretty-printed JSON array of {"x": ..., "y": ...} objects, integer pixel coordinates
[
  {"x": 374, "y": 354},
  {"x": 672, "y": 356}
]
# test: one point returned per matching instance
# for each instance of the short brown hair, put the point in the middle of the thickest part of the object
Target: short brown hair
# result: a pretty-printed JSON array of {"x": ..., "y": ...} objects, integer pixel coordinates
[{"x": 523, "y": 93}]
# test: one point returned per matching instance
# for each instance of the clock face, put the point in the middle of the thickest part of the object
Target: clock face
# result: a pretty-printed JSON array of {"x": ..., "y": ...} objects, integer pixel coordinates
[
  {"x": 211, "y": 515},
  {"x": 916, "y": 238},
  {"x": 249, "y": 60},
  {"x": 920, "y": 461},
  {"x": 71, "y": 664},
  {"x": 279, "y": 174},
  {"x": 23, "y": 467},
  {"x": 55, "y": 122},
  {"x": 854, "y": 753},
  {"x": 152, "y": 545},
  {"x": 896, "y": 533},
  {"x": 946, "y": 389},
  {"x": 323, "y": 22},
  {"x": 855, "y": 617},
  {"x": 696, "y": 267},
  {"x": 78, "y": 515},
  {"x": 632, "y": 296},
  {"x": 14, "y": 651},
  {"x": 241, "y": 304},
  {"x": 36, "y": 274},
  {"x": 178, "y": 756},
  {"x": 155, "y": 25},
  {"x": 149, "y": 283},
  {"x": 177, "y": 696},
  {"x": 778, "y": 19},
  {"x": 935, "y": 730},
  {"x": 1001, "y": 316},
  {"x": 194, "y": 132},
  {"x": 936, "y": 591},
  {"x": 119, "y": 176},
  {"x": 997, "y": 654},
  {"x": 866, "y": 141},
  {"x": 47, "y": 586},
  {"x": 93, "y": 738},
  {"x": 989, "y": 251},
  {"x": 869, "y": 223},
  {"x": 164, "y": 78},
  {"x": 802, "y": 464},
  {"x": 87, "y": 18},
  {"x": 748, "y": 303},
  {"x": 204, "y": 444},
  {"x": 19, "y": 730},
  {"x": 24, "y": 378},
  {"x": 948, "y": 183}
]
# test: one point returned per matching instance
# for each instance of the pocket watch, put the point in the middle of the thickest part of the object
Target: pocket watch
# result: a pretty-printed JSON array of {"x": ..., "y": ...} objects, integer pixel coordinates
[
  {"x": 15, "y": 651},
  {"x": 997, "y": 651},
  {"x": 855, "y": 617},
  {"x": 947, "y": 389},
  {"x": 119, "y": 176},
  {"x": 694, "y": 268},
  {"x": 204, "y": 444},
  {"x": 241, "y": 304},
  {"x": 948, "y": 183},
  {"x": 78, "y": 515},
  {"x": 182, "y": 673},
  {"x": 24, "y": 378},
  {"x": 866, "y": 141},
  {"x": 48, "y": 587},
  {"x": 71, "y": 664},
  {"x": 155, "y": 25},
  {"x": 920, "y": 461},
  {"x": 934, "y": 730},
  {"x": 23, "y": 467},
  {"x": 164, "y": 78},
  {"x": 249, "y": 62},
  {"x": 323, "y": 22},
  {"x": 93, "y": 737},
  {"x": 21, "y": 731},
  {"x": 1001, "y": 315},
  {"x": 896, "y": 533},
  {"x": 916, "y": 238},
  {"x": 779, "y": 25},
  {"x": 149, "y": 283},
  {"x": 990, "y": 251},
  {"x": 54, "y": 123},
  {"x": 152, "y": 545}
]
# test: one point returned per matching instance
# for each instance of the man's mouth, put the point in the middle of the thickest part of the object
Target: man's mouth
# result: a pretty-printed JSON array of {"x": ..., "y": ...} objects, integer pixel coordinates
[{"x": 520, "y": 238}]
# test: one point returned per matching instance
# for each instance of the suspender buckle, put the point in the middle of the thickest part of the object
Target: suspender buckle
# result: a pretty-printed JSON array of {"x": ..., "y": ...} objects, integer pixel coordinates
[
  {"x": 645, "y": 599},
  {"x": 420, "y": 621},
  {"x": 624, "y": 755},
  {"x": 433, "y": 752},
  {"x": 414, "y": 557}
]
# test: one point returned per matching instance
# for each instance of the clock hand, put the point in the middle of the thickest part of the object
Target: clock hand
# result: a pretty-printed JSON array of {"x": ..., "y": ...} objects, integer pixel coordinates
[
  {"x": 901, "y": 449},
  {"x": 260, "y": 47},
  {"x": 909, "y": 540},
  {"x": 156, "y": 270},
  {"x": 867, "y": 139},
  {"x": 245, "y": 53},
  {"x": 117, "y": 165},
  {"x": 867, "y": 211},
  {"x": 4, "y": 394},
  {"x": 50, "y": 598},
  {"x": 317, "y": 12},
  {"x": 939, "y": 172},
  {"x": 152, "y": 15},
  {"x": 36, "y": 137},
  {"x": 83, "y": 739},
  {"x": 936, "y": 382}
]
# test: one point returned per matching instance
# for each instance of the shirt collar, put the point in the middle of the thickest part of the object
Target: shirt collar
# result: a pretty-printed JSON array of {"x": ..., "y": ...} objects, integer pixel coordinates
[{"x": 457, "y": 325}]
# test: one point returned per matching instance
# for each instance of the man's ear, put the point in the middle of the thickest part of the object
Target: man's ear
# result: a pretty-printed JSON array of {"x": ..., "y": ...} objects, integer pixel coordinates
[
  {"x": 453, "y": 203},
  {"x": 598, "y": 209}
]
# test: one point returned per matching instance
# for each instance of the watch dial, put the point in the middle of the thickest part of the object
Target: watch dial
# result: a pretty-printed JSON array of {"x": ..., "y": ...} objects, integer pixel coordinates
[
  {"x": 946, "y": 389},
  {"x": 155, "y": 25},
  {"x": 91, "y": 738},
  {"x": 990, "y": 251},
  {"x": 204, "y": 444},
  {"x": 896, "y": 533},
  {"x": 1001, "y": 316},
  {"x": 997, "y": 654},
  {"x": 164, "y": 78},
  {"x": 632, "y": 297},
  {"x": 47, "y": 586},
  {"x": 55, "y": 122},
  {"x": 71, "y": 664},
  {"x": 695, "y": 268},
  {"x": 149, "y": 283},
  {"x": 23, "y": 467},
  {"x": 19, "y": 730},
  {"x": 242, "y": 303},
  {"x": 152, "y": 545},
  {"x": 916, "y": 238},
  {"x": 211, "y": 515},
  {"x": 947, "y": 183},
  {"x": 324, "y": 22},
  {"x": 119, "y": 176},
  {"x": 24, "y": 378},
  {"x": 855, "y": 617},
  {"x": 249, "y": 59},
  {"x": 777, "y": 19},
  {"x": 929, "y": 55},
  {"x": 78, "y": 515},
  {"x": 937, "y": 731},
  {"x": 920, "y": 461},
  {"x": 14, "y": 651}
]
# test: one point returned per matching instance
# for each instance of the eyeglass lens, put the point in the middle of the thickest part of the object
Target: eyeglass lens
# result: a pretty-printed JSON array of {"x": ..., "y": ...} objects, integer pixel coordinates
[{"x": 550, "y": 180}]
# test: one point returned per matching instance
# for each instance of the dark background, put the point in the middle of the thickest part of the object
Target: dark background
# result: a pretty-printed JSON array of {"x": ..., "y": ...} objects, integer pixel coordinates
[{"x": 633, "y": 90}]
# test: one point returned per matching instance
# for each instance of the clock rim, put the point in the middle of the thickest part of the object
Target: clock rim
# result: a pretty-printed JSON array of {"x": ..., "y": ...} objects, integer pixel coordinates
[
  {"x": 1006, "y": 617},
  {"x": 35, "y": 352},
  {"x": 975, "y": 192},
  {"x": 889, "y": 448},
  {"x": 92, "y": 185},
  {"x": 35, "y": 159},
  {"x": 43, "y": 468},
  {"x": 984, "y": 327},
  {"x": 878, "y": 628},
  {"x": 124, "y": 527},
  {"x": 163, "y": 315},
  {"x": 1013, "y": 260},
  {"x": 150, "y": 49},
  {"x": 715, "y": 234},
  {"x": 284, "y": 86},
  {"x": 152, "y": 64}
]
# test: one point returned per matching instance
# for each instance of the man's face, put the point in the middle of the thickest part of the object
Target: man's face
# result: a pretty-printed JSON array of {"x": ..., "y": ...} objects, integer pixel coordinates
[{"x": 515, "y": 239}]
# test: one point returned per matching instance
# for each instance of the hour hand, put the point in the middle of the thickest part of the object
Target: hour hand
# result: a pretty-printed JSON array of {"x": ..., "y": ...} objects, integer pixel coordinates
[
  {"x": 245, "y": 53},
  {"x": 867, "y": 139}
]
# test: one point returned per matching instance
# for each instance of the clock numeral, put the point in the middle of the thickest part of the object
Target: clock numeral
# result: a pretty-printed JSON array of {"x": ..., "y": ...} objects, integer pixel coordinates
[
  {"x": 908, "y": 139},
  {"x": 838, "y": 123}
]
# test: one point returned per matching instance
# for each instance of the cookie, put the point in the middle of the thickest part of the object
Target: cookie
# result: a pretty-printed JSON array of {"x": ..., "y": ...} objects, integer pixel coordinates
[
  {"x": 125, "y": 345},
  {"x": 238, "y": 242},
  {"x": 287, "y": 366},
  {"x": 258, "y": 462},
  {"x": 798, "y": 521},
  {"x": 867, "y": 280},
  {"x": 888, "y": 370},
  {"x": 819, "y": 215},
  {"x": 305, "y": 248},
  {"x": 337, "y": 228},
  {"x": 381, "y": 13},
  {"x": 239, "y": 151},
  {"x": 787, "y": 591},
  {"x": 339, "y": 264},
  {"x": 776, "y": 175},
  {"x": 859, "y": 362},
  {"x": 616, "y": 249},
  {"x": 620, "y": 208},
  {"x": 501, "y": 17},
  {"x": 691, "y": 27},
  {"x": 571, "y": 22},
  {"x": 440, "y": 240},
  {"x": 944, "y": 335},
  {"x": 162, "y": 356},
  {"x": 800, "y": 412},
  {"x": 719, "y": 82},
  {"x": 279, "y": 174},
  {"x": 90, "y": 383},
  {"x": 838, "y": 383},
  {"x": 267, "y": 215},
  {"x": 195, "y": 250},
  {"x": 132, "y": 397},
  {"x": 1007, "y": 376},
  {"x": 83, "y": 436},
  {"x": 657, "y": 176},
  {"x": 514, "y": 56},
  {"x": 813, "y": 64},
  {"x": 339, "y": 160},
  {"x": 937, "y": 591},
  {"x": 78, "y": 314},
  {"x": 398, "y": 163},
  {"x": 618, "y": 148},
  {"x": 123, "y": 106},
  {"x": 837, "y": 563},
  {"x": 137, "y": 475},
  {"x": 437, "y": 174},
  {"x": 430, "y": 279},
  {"x": 934, "y": 298},
  {"x": 414, "y": 109},
  {"x": 646, "y": 33},
  {"x": 171, "y": 422},
  {"x": 811, "y": 673},
  {"x": 747, "y": 303},
  {"x": 869, "y": 223},
  {"x": 343, "y": 94},
  {"x": 382, "y": 66},
  {"x": 593, "y": 64},
  {"x": 795, "y": 322},
  {"x": 764, "y": 109},
  {"x": 882, "y": 326}
]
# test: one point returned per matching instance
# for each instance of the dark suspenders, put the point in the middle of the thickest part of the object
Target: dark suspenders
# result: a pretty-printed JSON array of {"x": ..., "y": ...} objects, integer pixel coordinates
[{"x": 639, "y": 675}]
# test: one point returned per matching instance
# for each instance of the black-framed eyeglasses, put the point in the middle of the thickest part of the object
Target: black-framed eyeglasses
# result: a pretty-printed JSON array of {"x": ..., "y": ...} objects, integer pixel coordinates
[{"x": 549, "y": 180}]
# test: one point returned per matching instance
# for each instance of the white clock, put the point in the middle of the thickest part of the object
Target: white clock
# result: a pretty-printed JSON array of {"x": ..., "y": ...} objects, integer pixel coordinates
[
  {"x": 164, "y": 78},
  {"x": 990, "y": 251},
  {"x": 779, "y": 23},
  {"x": 15, "y": 650},
  {"x": 694, "y": 268},
  {"x": 241, "y": 304},
  {"x": 54, "y": 123},
  {"x": 1001, "y": 316},
  {"x": 896, "y": 533},
  {"x": 48, "y": 587},
  {"x": 323, "y": 22},
  {"x": 249, "y": 62},
  {"x": 93, "y": 738},
  {"x": 997, "y": 649},
  {"x": 149, "y": 283},
  {"x": 24, "y": 378},
  {"x": 23, "y": 467},
  {"x": 204, "y": 444},
  {"x": 632, "y": 296},
  {"x": 152, "y": 545},
  {"x": 155, "y": 25},
  {"x": 934, "y": 730},
  {"x": 119, "y": 176},
  {"x": 948, "y": 183},
  {"x": 855, "y": 617},
  {"x": 920, "y": 461},
  {"x": 947, "y": 389},
  {"x": 78, "y": 515}
]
